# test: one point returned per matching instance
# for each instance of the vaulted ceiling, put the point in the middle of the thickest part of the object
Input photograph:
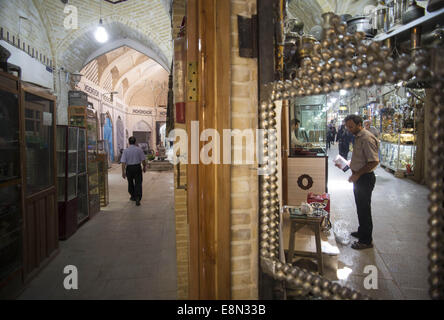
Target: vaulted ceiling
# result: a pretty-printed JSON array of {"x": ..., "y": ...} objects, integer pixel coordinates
[
  {"x": 138, "y": 79},
  {"x": 139, "y": 23}
]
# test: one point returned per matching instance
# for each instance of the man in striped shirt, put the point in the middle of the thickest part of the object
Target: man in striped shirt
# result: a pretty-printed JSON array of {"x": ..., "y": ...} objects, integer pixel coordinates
[{"x": 131, "y": 160}]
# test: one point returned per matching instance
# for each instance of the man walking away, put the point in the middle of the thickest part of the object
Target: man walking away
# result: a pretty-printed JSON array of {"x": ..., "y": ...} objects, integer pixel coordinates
[
  {"x": 344, "y": 137},
  {"x": 131, "y": 159},
  {"x": 364, "y": 160}
]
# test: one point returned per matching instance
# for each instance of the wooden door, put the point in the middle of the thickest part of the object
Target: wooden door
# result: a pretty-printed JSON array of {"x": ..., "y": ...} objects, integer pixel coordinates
[
  {"x": 41, "y": 234},
  {"x": 208, "y": 192},
  {"x": 41, "y": 231}
]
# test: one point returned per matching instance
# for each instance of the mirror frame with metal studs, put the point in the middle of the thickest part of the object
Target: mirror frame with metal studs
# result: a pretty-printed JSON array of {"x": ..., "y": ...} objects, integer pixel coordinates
[{"x": 347, "y": 61}]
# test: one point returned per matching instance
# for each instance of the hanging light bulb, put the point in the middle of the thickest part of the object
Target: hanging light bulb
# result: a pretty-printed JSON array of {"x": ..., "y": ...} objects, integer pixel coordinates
[{"x": 101, "y": 34}]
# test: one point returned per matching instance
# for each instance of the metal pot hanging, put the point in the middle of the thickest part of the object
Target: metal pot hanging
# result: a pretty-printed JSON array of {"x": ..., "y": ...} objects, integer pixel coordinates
[{"x": 360, "y": 23}]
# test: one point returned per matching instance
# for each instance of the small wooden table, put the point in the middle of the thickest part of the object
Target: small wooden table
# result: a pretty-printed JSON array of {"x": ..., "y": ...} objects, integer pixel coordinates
[{"x": 315, "y": 224}]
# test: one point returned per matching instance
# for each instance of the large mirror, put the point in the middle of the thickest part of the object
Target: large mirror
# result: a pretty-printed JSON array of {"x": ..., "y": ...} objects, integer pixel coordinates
[{"x": 336, "y": 72}]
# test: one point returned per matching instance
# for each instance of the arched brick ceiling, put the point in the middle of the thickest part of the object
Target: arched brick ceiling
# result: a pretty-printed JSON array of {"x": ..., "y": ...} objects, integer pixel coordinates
[
  {"x": 145, "y": 22},
  {"x": 142, "y": 86},
  {"x": 123, "y": 58},
  {"x": 128, "y": 72},
  {"x": 136, "y": 72}
]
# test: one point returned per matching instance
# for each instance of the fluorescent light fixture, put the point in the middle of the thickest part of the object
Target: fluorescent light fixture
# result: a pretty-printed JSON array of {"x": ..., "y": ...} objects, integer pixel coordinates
[
  {"x": 101, "y": 35},
  {"x": 343, "y": 92}
]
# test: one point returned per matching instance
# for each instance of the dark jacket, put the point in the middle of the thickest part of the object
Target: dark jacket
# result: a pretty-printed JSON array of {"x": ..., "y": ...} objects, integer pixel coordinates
[{"x": 344, "y": 137}]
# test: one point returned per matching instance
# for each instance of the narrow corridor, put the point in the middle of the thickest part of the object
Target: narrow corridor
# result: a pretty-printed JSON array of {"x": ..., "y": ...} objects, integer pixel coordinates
[{"x": 124, "y": 252}]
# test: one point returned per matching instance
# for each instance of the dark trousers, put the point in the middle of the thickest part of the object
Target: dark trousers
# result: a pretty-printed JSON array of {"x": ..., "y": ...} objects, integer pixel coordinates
[
  {"x": 135, "y": 178},
  {"x": 362, "y": 190}
]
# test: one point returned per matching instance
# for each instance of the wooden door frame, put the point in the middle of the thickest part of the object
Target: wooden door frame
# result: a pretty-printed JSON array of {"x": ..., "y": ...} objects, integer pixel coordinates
[
  {"x": 209, "y": 186},
  {"x": 27, "y": 198}
]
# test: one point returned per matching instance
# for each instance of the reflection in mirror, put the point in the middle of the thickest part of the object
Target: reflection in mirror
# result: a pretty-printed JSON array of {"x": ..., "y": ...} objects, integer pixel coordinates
[
  {"x": 356, "y": 75},
  {"x": 308, "y": 124}
]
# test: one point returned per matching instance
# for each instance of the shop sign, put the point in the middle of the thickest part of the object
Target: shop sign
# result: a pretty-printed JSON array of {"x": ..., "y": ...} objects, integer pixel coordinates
[{"x": 92, "y": 91}]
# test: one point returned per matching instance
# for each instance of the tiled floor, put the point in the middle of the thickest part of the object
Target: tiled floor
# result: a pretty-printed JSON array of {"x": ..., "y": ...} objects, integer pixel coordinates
[
  {"x": 399, "y": 210},
  {"x": 124, "y": 252}
]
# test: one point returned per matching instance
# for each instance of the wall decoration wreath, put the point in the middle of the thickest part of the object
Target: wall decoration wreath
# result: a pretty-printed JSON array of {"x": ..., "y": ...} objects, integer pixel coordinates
[{"x": 301, "y": 182}]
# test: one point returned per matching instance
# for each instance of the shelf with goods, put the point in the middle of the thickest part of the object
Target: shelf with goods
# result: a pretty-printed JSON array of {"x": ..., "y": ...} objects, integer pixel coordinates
[
  {"x": 93, "y": 173},
  {"x": 398, "y": 137},
  {"x": 402, "y": 32},
  {"x": 398, "y": 157},
  {"x": 83, "y": 115}
]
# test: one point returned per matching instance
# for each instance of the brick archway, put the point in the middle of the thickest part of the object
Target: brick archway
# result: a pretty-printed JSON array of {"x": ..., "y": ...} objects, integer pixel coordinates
[{"x": 82, "y": 47}]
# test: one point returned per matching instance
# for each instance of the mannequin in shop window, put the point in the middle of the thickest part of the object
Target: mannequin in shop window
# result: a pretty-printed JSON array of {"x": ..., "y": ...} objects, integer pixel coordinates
[{"x": 298, "y": 137}]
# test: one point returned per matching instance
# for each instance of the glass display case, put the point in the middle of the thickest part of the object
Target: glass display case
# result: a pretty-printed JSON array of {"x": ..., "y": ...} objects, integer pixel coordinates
[
  {"x": 91, "y": 126},
  {"x": 82, "y": 179},
  {"x": 77, "y": 116},
  {"x": 11, "y": 217},
  {"x": 39, "y": 143},
  {"x": 93, "y": 173},
  {"x": 9, "y": 137},
  {"x": 398, "y": 141},
  {"x": 308, "y": 126},
  {"x": 67, "y": 148},
  {"x": 398, "y": 157},
  {"x": 89, "y": 201}
]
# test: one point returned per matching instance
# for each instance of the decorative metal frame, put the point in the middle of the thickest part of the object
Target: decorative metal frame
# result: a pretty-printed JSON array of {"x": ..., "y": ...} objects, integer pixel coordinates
[{"x": 344, "y": 61}]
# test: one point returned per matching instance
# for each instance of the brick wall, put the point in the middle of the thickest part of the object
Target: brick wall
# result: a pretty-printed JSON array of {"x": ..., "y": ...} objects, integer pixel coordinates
[
  {"x": 30, "y": 29},
  {"x": 244, "y": 179}
]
